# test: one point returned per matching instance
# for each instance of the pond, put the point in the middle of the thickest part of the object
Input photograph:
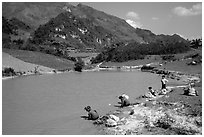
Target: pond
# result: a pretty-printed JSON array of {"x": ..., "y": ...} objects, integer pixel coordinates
[{"x": 53, "y": 104}]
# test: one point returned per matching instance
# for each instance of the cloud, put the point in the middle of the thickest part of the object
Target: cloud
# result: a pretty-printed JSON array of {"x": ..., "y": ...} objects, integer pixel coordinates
[
  {"x": 133, "y": 15},
  {"x": 155, "y": 18},
  {"x": 182, "y": 11},
  {"x": 134, "y": 24}
]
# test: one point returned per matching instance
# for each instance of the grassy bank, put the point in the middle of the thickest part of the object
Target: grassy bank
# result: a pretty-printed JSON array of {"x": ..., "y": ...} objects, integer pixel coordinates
[
  {"x": 41, "y": 59},
  {"x": 177, "y": 63}
]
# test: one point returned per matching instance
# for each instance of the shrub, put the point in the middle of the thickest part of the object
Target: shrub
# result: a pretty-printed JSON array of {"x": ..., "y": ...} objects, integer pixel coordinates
[
  {"x": 145, "y": 67},
  {"x": 168, "y": 57},
  {"x": 8, "y": 72},
  {"x": 79, "y": 65},
  {"x": 183, "y": 131},
  {"x": 165, "y": 121}
]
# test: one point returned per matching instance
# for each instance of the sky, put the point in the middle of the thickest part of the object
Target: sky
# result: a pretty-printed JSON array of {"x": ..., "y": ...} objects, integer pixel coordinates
[{"x": 183, "y": 18}]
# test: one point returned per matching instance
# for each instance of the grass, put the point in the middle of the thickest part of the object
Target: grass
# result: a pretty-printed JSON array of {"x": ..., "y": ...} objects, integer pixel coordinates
[
  {"x": 179, "y": 64},
  {"x": 41, "y": 59}
]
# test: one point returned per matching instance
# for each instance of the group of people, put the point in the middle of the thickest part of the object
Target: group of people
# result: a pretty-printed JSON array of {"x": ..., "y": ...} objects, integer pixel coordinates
[
  {"x": 153, "y": 93},
  {"x": 189, "y": 90},
  {"x": 93, "y": 115}
]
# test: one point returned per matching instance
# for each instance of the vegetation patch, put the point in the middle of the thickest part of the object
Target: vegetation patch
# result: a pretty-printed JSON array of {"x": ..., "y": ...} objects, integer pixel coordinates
[
  {"x": 121, "y": 52},
  {"x": 79, "y": 65},
  {"x": 8, "y": 71},
  {"x": 41, "y": 59}
]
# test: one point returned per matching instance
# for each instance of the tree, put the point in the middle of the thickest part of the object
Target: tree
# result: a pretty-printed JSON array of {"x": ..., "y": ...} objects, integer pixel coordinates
[
  {"x": 195, "y": 43},
  {"x": 78, "y": 66},
  {"x": 8, "y": 72}
]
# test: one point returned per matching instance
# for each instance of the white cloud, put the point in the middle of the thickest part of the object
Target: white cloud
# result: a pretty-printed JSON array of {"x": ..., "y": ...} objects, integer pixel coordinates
[
  {"x": 182, "y": 11},
  {"x": 133, "y": 15},
  {"x": 134, "y": 24},
  {"x": 155, "y": 18}
]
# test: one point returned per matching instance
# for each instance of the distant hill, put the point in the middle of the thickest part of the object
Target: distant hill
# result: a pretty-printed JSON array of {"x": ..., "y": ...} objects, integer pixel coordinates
[
  {"x": 150, "y": 37},
  {"x": 14, "y": 33},
  {"x": 32, "y": 13},
  {"x": 19, "y": 24}
]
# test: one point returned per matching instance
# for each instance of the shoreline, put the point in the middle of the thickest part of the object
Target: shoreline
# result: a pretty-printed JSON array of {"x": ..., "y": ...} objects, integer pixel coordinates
[
  {"x": 185, "y": 77},
  {"x": 31, "y": 74},
  {"x": 157, "y": 117},
  {"x": 153, "y": 116}
]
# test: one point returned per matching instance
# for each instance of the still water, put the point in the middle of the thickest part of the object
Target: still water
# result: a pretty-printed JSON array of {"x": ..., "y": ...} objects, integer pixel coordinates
[{"x": 53, "y": 104}]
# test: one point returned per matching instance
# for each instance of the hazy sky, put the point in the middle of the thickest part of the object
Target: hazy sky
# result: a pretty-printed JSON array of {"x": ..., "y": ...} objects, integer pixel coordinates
[{"x": 183, "y": 18}]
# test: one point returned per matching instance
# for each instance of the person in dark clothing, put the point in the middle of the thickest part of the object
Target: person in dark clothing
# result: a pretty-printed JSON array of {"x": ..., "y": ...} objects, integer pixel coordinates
[
  {"x": 124, "y": 101},
  {"x": 152, "y": 91},
  {"x": 92, "y": 114}
]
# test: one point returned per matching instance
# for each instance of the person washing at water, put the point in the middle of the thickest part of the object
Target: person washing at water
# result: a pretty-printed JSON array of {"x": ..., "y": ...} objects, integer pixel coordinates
[
  {"x": 124, "y": 100},
  {"x": 151, "y": 91},
  {"x": 150, "y": 94},
  {"x": 92, "y": 114},
  {"x": 125, "y": 96}
]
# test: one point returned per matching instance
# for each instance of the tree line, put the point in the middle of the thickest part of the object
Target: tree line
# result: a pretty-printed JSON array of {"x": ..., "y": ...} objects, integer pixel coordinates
[{"x": 132, "y": 51}]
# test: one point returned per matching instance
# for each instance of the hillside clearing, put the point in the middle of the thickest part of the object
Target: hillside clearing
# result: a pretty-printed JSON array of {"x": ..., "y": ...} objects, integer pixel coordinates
[{"x": 41, "y": 59}]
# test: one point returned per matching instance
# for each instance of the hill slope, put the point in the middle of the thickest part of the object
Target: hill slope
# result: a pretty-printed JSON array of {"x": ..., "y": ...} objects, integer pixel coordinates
[
  {"x": 34, "y": 58},
  {"x": 32, "y": 13}
]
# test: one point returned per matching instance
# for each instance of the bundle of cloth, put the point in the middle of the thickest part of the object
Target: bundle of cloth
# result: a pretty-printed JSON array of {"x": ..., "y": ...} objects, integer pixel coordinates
[{"x": 190, "y": 91}]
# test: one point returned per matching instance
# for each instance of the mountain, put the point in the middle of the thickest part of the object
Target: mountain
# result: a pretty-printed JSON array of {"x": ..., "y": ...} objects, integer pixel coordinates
[
  {"x": 73, "y": 31},
  {"x": 118, "y": 26},
  {"x": 150, "y": 37},
  {"x": 14, "y": 30},
  {"x": 82, "y": 26},
  {"x": 19, "y": 24},
  {"x": 106, "y": 29},
  {"x": 55, "y": 28},
  {"x": 32, "y": 13},
  {"x": 38, "y": 13}
]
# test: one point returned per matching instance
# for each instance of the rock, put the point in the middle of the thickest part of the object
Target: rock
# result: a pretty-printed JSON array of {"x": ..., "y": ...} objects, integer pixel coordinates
[
  {"x": 115, "y": 118},
  {"x": 198, "y": 121},
  {"x": 111, "y": 123},
  {"x": 154, "y": 102},
  {"x": 132, "y": 112}
]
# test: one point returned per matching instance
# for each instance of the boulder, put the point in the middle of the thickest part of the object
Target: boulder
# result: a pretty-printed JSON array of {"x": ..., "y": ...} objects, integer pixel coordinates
[
  {"x": 111, "y": 123},
  {"x": 115, "y": 118}
]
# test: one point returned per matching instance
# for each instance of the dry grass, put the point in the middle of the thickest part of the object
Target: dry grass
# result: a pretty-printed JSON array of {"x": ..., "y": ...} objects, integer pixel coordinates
[{"x": 41, "y": 59}]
